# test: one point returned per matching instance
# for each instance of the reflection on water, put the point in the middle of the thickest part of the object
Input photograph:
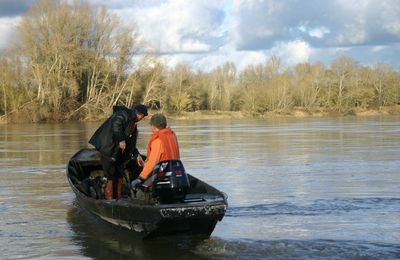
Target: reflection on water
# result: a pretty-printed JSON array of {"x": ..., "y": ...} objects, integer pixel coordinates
[
  {"x": 102, "y": 240},
  {"x": 99, "y": 240},
  {"x": 298, "y": 188}
]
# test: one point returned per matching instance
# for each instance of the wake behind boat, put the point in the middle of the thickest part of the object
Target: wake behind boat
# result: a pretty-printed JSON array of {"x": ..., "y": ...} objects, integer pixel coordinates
[{"x": 195, "y": 212}]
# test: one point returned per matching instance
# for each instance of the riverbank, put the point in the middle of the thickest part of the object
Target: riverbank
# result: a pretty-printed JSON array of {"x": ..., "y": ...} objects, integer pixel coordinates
[
  {"x": 295, "y": 112},
  {"x": 298, "y": 112}
]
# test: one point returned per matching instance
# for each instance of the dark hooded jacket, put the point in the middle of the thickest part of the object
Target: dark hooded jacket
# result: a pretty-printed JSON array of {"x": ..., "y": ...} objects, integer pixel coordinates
[{"x": 117, "y": 128}]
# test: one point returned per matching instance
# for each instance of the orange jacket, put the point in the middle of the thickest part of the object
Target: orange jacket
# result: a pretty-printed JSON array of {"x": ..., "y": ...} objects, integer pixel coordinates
[{"x": 163, "y": 145}]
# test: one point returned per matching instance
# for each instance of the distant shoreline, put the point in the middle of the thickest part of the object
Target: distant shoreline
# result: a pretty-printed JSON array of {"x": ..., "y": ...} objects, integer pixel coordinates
[{"x": 297, "y": 112}]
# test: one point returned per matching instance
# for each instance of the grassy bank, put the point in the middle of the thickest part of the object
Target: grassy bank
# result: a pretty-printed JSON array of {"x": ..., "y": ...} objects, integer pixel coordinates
[{"x": 297, "y": 112}]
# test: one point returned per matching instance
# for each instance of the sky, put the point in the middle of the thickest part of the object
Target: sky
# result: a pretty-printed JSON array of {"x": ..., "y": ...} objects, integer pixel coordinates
[{"x": 206, "y": 34}]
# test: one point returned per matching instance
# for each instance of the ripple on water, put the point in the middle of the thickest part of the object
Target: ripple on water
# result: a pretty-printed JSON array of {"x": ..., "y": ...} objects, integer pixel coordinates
[
  {"x": 216, "y": 248},
  {"x": 317, "y": 207}
]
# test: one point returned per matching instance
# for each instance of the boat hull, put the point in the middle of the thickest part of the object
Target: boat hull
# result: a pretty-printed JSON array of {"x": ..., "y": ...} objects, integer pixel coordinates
[{"x": 197, "y": 218}]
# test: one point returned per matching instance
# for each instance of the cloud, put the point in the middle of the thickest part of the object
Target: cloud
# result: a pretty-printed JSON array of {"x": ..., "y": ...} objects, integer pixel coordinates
[
  {"x": 378, "y": 48},
  {"x": 11, "y": 8},
  {"x": 292, "y": 52},
  {"x": 7, "y": 30},
  {"x": 259, "y": 24},
  {"x": 254, "y": 25},
  {"x": 241, "y": 59},
  {"x": 179, "y": 25},
  {"x": 206, "y": 34},
  {"x": 318, "y": 32},
  {"x": 114, "y": 4}
]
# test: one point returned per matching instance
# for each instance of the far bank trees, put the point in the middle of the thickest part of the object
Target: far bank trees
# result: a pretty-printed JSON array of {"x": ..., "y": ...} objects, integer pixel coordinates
[{"x": 76, "y": 62}]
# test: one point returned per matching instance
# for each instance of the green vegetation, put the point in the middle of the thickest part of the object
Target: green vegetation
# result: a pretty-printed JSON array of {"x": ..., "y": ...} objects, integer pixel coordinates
[{"x": 74, "y": 63}]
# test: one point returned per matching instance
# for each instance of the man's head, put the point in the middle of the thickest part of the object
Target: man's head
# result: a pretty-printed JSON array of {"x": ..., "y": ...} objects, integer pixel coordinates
[
  {"x": 140, "y": 111},
  {"x": 158, "y": 121}
]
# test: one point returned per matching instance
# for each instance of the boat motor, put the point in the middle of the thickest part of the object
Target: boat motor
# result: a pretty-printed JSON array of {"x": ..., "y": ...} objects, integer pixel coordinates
[{"x": 170, "y": 181}]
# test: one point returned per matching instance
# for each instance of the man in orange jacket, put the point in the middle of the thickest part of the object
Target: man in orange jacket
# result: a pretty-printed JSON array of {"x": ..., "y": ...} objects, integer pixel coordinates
[{"x": 163, "y": 145}]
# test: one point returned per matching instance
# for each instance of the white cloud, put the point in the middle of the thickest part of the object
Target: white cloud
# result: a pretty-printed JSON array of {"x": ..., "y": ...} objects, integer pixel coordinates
[
  {"x": 111, "y": 4},
  {"x": 293, "y": 52},
  {"x": 7, "y": 30},
  {"x": 391, "y": 17},
  {"x": 217, "y": 58},
  {"x": 254, "y": 24},
  {"x": 194, "y": 45},
  {"x": 206, "y": 34},
  {"x": 178, "y": 26},
  {"x": 243, "y": 59},
  {"x": 319, "y": 32},
  {"x": 322, "y": 23},
  {"x": 378, "y": 48}
]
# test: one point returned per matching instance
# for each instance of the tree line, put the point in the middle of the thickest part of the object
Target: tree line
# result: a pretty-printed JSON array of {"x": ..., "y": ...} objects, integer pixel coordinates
[{"x": 73, "y": 62}]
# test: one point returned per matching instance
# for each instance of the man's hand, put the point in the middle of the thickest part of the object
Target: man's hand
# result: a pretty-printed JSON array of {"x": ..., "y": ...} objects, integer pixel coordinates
[
  {"x": 122, "y": 145},
  {"x": 136, "y": 183},
  {"x": 140, "y": 160}
]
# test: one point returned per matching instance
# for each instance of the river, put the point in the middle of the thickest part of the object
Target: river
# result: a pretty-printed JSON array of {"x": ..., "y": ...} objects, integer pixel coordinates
[{"x": 306, "y": 188}]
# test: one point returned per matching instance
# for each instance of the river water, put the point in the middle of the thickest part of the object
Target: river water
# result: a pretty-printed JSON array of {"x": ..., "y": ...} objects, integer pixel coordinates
[{"x": 307, "y": 188}]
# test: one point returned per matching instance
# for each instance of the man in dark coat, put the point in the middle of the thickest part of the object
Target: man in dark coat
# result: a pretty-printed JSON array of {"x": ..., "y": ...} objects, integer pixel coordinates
[{"x": 116, "y": 141}]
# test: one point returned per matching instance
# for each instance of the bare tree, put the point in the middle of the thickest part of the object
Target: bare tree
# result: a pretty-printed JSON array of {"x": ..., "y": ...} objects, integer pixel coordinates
[
  {"x": 151, "y": 73},
  {"x": 381, "y": 79},
  {"x": 180, "y": 87},
  {"x": 14, "y": 93},
  {"x": 222, "y": 81},
  {"x": 342, "y": 68},
  {"x": 308, "y": 80},
  {"x": 77, "y": 56}
]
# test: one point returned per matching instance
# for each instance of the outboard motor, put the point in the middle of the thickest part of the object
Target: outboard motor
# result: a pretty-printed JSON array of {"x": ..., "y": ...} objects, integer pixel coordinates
[{"x": 170, "y": 181}]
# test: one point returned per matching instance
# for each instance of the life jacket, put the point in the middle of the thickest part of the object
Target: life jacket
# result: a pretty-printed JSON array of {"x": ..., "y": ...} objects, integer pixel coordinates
[{"x": 168, "y": 141}]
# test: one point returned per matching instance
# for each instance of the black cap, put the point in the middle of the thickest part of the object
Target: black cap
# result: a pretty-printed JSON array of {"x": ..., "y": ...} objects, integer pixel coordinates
[{"x": 142, "y": 109}]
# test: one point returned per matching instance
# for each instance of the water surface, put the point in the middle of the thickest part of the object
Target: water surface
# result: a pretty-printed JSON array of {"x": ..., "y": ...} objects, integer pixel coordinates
[{"x": 298, "y": 188}]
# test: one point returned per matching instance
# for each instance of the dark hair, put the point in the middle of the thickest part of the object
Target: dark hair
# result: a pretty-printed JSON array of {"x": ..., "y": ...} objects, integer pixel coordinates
[{"x": 159, "y": 121}]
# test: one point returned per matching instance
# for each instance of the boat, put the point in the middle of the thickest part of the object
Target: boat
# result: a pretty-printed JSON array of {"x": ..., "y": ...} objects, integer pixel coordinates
[{"x": 196, "y": 213}]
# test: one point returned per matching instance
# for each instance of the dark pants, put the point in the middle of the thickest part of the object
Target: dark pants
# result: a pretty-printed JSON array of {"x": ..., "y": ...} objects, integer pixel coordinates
[{"x": 113, "y": 169}]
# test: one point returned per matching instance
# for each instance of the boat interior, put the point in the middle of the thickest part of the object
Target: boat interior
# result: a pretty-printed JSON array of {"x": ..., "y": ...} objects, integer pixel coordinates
[{"x": 85, "y": 172}]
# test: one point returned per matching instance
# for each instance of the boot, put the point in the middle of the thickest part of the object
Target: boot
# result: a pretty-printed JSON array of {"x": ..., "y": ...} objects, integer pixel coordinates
[
  {"x": 108, "y": 191},
  {"x": 119, "y": 188}
]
